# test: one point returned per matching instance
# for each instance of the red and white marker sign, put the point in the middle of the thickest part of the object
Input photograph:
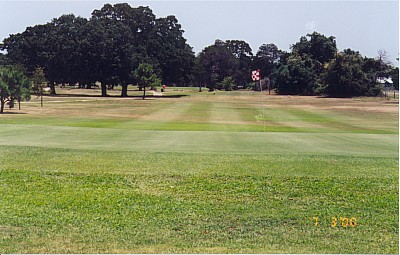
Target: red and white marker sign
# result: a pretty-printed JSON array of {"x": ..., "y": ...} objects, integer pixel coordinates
[{"x": 255, "y": 75}]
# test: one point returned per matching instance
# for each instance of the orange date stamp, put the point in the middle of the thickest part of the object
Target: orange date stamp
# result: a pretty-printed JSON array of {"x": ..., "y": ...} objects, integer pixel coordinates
[{"x": 339, "y": 222}]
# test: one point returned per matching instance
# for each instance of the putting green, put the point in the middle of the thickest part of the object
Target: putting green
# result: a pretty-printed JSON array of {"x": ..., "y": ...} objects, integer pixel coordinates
[{"x": 199, "y": 142}]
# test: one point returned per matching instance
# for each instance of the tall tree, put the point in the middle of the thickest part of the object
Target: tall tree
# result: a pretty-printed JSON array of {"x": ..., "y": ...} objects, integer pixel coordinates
[
  {"x": 218, "y": 63},
  {"x": 52, "y": 46},
  {"x": 114, "y": 45},
  {"x": 159, "y": 42},
  {"x": 199, "y": 74},
  {"x": 299, "y": 76},
  {"x": 30, "y": 48},
  {"x": 345, "y": 77},
  {"x": 115, "y": 40},
  {"x": 174, "y": 57},
  {"x": 320, "y": 47},
  {"x": 268, "y": 59},
  {"x": 68, "y": 59},
  {"x": 302, "y": 72},
  {"x": 241, "y": 50}
]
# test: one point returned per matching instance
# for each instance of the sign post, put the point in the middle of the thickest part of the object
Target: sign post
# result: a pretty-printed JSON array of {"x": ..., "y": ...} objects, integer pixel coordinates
[{"x": 255, "y": 76}]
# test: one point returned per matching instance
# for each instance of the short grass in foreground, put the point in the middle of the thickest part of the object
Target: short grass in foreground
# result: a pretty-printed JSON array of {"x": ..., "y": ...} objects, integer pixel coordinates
[
  {"x": 70, "y": 188},
  {"x": 239, "y": 209}
]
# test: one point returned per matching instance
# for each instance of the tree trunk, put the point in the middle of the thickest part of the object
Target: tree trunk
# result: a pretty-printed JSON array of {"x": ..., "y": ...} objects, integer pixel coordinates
[
  {"x": 144, "y": 92},
  {"x": 103, "y": 89},
  {"x": 2, "y": 102},
  {"x": 124, "y": 92},
  {"x": 52, "y": 89}
]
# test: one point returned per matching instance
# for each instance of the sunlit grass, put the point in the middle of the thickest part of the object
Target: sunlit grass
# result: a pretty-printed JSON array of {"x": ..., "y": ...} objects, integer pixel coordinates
[
  {"x": 53, "y": 212},
  {"x": 199, "y": 173}
]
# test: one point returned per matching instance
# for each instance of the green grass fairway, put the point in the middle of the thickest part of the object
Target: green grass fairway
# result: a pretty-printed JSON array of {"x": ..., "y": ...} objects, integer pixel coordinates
[{"x": 190, "y": 172}]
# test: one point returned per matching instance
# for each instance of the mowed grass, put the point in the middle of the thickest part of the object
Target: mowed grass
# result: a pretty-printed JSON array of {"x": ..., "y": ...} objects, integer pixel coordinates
[
  {"x": 199, "y": 173},
  {"x": 235, "y": 111}
]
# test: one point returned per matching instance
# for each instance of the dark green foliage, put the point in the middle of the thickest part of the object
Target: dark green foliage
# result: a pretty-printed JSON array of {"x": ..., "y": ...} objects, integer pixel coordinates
[
  {"x": 243, "y": 55},
  {"x": 118, "y": 38},
  {"x": 268, "y": 59},
  {"x": 299, "y": 76},
  {"x": 3, "y": 59},
  {"x": 199, "y": 73},
  {"x": 159, "y": 42},
  {"x": 231, "y": 58},
  {"x": 145, "y": 77},
  {"x": 228, "y": 83},
  {"x": 351, "y": 75},
  {"x": 174, "y": 58},
  {"x": 38, "y": 80},
  {"x": 282, "y": 79},
  {"x": 319, "y": 47},
  {"x": 315, "y": 67},
  {"x": 302, "y": 72},
  {"x": 395, "y": 77},
  {"x": 14, "y": 85},
  {"x": 105, "y": 48},
  {"x": 218, "y": 62}
]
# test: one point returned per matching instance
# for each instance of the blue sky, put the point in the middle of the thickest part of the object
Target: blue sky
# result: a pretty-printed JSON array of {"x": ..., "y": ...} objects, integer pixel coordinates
[{"x": 365, "y": 26}]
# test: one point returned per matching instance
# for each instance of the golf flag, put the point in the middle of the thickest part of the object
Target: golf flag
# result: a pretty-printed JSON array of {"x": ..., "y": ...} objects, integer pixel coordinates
[{"x": 255, "y": 75}]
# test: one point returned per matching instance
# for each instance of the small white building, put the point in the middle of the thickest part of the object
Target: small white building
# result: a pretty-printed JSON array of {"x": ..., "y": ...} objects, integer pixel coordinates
[{"x": 386, "y": 81}]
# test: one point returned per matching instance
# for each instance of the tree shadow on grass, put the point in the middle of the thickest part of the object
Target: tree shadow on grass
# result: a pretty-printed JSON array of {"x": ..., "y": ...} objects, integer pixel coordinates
[
  {"x": 7, "y": 113},
  {"x": 80, "y": 95},
  {"x": 163, "y": 96},
  {"x": 116, "y": 96},
  {"x": 392, "y": 102}
]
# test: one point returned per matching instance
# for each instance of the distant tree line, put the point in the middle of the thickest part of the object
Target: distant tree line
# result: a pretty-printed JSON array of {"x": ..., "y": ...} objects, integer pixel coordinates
[
  {"x": 106, "y": 48},
  {"x": 313, "y": 67},
  {"x": 110, "y": 47}
]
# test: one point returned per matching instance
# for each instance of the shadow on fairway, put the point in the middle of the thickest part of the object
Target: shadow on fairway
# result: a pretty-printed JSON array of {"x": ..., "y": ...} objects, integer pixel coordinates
[
  {"x": 392, "y": 102},
  {"x": 117, "y": 96},
  {"x": 6, "y": 112},
  {"x": 164, "y": 96}
]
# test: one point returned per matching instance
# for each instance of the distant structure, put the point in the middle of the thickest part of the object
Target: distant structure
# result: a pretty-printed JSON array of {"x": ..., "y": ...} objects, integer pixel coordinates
[
  {"x": 385, "y": 81},
  {"x": 387, "y": 84}
]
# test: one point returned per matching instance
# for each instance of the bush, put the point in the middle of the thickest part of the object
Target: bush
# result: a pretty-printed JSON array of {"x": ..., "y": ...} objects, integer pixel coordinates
[{"x": 227, "y": 83}]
